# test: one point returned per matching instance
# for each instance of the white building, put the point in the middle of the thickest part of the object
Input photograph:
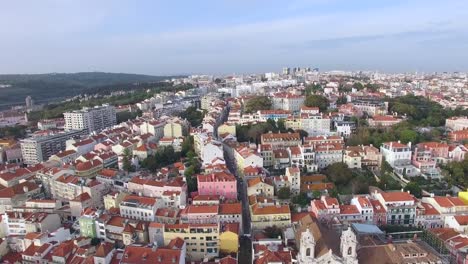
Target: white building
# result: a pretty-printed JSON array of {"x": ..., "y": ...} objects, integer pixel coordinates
[
  {"x": 396, "y": 153},
  {"x": 139, "y": 207},
  {"x": 365, "y": 208},
  {"x": 91, "y": 119}
]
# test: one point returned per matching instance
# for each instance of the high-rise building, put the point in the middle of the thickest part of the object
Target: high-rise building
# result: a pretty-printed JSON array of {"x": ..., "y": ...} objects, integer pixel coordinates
[
  {"x": 29, "y": 102},
  {"x": 37, "y": 149},
  {"x": 91, "y": 119},
  {"x": 286, "y": 70}
]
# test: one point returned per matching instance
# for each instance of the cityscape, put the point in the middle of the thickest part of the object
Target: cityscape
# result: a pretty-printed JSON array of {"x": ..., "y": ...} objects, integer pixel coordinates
[{"x": 289, "y": 164}]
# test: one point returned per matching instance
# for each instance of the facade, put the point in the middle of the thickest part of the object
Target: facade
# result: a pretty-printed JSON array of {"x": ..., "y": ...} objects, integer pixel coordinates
[
  {"x": 202, "y": 240},
  {"x": 288, "y": 101},
  {"x": 139, "y": 208},
  {"x": 37, "y": 149},
  {"x": 400, "y": 207},
  {"x": 91, "y": 119},
  {"x": 396, "y": 153},
  {"x": 456, "y": 123},
  {"x": 218, "y": 183}
]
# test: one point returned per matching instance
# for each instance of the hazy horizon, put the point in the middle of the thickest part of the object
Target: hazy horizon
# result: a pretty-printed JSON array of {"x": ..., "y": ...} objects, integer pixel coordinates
[{"x": 209, "y": 37}]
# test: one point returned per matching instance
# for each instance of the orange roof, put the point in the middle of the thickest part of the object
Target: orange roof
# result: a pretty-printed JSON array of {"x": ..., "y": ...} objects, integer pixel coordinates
[
  {"x": 82, "y": 197},
  {"x": 461, "y": 219},
  {"x": 429, "y": 209},
  {"x": 348, "y": 209},
  {"x": 87, "y": 165},
  {"x": 234, "y": 208},
  {"x": 448, "y": 202},
  {"x": 395, "y": 144},
  {"x": 397, "y": 196},
  {"x": 216, "y": 177},
  {"x": 65, "y": 153},
  {"x": 384, "y": 118},
  {"x": 202, "y": 209},
  {"x": 231, "y": 227},
  {"x": 18, "y": 189},
  {"x": 104, "y": 249},
  {"x": 270, "y": 209},
  {"x": 138, "y": 254},
  {"x": 109, "y": 173}
]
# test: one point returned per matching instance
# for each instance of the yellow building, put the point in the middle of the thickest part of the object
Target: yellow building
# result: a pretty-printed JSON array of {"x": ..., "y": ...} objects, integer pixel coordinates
[
  {"x": 113, "y": 199},
  {"x": 229, "y": 238},
  {"x": 463, "y": 196},
  {"x": 264, "y": 215},
  {"x": 173, "y": 129},
  {"x": 257, "y": 186},
  {"x": 88, "y": 168},
  {"x": 227, "y": 128},
  {"x": 293, "y": 123},
  {"x": 202, "y": 240}
]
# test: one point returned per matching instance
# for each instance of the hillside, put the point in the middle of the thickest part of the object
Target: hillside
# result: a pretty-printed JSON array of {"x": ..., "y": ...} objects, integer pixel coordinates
[{"x": 55, "y": 86}]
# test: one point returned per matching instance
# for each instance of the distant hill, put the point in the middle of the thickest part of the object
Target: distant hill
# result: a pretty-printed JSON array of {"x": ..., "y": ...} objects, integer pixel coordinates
[{"x": 54, "y": 86}]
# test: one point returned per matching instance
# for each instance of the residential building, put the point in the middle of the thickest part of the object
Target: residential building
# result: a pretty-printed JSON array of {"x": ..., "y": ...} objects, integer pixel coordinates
[
  {"x": 91, "y": 119},
  {"x": 456, "y": 123},
  {"x": 202, "y": 240},
  {"x": 287, "y": 101},
  {"x": 258, "y": 186},
  {"x": 40, "y": 148},
  {"x": 383, "y": 121},
  {"x": 400, "y": 207},
  {"x": 277, "y": 140},
  {"x": 139, "y": 207},
  {"x": 223, "y": 184}
]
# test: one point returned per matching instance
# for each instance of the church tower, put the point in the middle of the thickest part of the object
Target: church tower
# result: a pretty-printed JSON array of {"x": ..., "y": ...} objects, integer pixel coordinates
[
  {"x": 307, "y": 247},
  {"x": 348, "y": 247}
]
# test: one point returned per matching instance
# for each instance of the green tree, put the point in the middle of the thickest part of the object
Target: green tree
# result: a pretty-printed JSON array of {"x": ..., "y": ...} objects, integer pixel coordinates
[
  {"x": 301, "y": 199},
  {"x": 284, "y": 193},
  {"x": 358, "y": 86},
  {"x": 414, "y": 189},
  {"x": 272, "y": 231},
  {"x": 258, "y": 103},
  {"x": 127, "y": 160},
  {"x": 339, "y": 173},
  {"x": 313, "y": 88},
  {"x": 408, "y": 135},
  {"x": 193, "y": 115},
  {"x": 317, "y": 101},
  {"x": 341, "y": 100}
]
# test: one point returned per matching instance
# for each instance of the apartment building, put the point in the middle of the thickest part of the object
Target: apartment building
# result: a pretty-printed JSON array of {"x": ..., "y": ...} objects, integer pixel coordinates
[
  {"x": 278, "y": 140},
  {"x": 91, "y": 119},
  {"x": 218, "y": 183},
  {"x": 456, "y": 123},
  {"x": 400, "y": 207},
  {"x": 396, "y": 153},
  {"x": 288, "y": 101},
  {"x": 139, "y": 207},
  {"x": 202, "y": 240},
  {"x": 39, "y": 148},
  {"x": 327, "y": 154}
]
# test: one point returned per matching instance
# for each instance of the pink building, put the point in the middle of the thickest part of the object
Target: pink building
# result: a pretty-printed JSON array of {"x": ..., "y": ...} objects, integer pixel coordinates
[
  {"x": 325, "y": 209},
  {"x": 218, "y": 183},
  {"x": 200, "y": 214},
  {"x": 438, "y": 150}
]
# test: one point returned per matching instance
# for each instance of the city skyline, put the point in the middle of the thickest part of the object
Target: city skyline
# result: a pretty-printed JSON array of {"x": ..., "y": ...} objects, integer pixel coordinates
[{"x": 160, "y": 38}]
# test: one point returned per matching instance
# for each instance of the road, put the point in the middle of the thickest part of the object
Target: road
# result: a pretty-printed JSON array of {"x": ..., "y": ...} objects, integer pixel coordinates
[{"x": 245, "y": 254}]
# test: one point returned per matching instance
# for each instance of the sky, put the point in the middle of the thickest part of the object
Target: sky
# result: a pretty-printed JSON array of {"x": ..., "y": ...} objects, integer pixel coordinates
[{"x": 232, "y": 36}]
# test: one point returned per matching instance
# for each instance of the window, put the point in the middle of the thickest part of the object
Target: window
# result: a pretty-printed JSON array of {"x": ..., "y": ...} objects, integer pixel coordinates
[
  {"x": 308, "y": 252},
  {"x": 350, "y": 251}
]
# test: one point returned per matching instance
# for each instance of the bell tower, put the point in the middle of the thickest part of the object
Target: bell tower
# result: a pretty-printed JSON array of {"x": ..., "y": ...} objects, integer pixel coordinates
[
  {"x": 307, "y": 247},
  {"x": 348, "y": 247}
]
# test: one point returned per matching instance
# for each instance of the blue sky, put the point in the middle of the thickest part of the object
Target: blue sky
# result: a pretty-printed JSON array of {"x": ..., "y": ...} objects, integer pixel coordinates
[{"x": 232, "y": 36}]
